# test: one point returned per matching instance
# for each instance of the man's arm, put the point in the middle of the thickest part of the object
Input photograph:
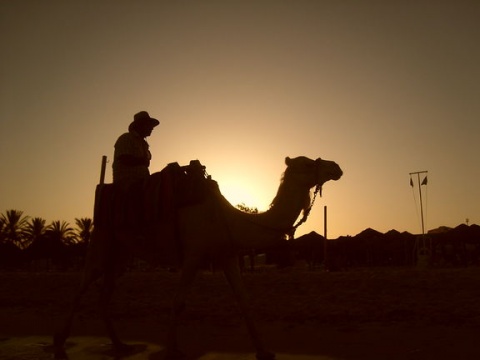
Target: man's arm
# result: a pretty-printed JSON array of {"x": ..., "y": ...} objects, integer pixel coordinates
[{"x": 131, "y": 160}]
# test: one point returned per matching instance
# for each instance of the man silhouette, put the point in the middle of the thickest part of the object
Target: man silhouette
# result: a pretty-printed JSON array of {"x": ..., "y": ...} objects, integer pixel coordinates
[{"x": 132, "y": 156}]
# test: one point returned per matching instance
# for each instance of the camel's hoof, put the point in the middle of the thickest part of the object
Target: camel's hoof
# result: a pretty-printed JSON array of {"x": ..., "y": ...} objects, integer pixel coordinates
[
  {"x": 123, "y": 349},
  {"x": 265, "y": 355},
  {"x": 59, "y": 340},
  {"x": 60, "y": 354},
  {"x": 174, "y": 355},
  {"x": 58, "y": 347}
]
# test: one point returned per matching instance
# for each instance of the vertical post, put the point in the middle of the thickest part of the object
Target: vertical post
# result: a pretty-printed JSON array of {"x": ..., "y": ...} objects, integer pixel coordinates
[
  {"x": 325, "y": 243},
  {"x": 102, "y": 169},
  {"x": 325, "y": 221},
  {"x": 98, "y": 190}
]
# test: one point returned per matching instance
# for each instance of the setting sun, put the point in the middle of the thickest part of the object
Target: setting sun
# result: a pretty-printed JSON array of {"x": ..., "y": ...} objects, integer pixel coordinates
[{"x": 236, "y": 192}]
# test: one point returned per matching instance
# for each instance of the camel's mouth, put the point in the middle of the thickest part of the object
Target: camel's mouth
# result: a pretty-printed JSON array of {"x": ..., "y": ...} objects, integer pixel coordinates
[
  {"x": 338, "y": 174},
  {"x": 332, "y": 173},
  {"x": 329, "y": 169}
]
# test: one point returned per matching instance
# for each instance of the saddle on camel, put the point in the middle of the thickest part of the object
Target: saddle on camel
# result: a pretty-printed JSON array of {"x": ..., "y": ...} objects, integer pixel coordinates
[{"x": 146, "y": 212}]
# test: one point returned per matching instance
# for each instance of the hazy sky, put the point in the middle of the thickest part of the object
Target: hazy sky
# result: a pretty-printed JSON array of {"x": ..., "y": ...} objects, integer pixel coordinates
[{"x": 384, "y": 88}]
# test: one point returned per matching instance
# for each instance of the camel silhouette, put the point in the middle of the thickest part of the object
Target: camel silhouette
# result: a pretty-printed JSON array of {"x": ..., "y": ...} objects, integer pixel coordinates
[{"x": 209, "y": 227}]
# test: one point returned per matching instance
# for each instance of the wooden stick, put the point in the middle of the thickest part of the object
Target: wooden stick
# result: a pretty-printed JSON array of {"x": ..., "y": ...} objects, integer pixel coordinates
[{"x": 102, "y": 170}]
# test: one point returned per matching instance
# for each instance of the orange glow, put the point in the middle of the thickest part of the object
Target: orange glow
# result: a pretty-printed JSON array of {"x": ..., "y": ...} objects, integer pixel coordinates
[{"x": 240, "y": 86}]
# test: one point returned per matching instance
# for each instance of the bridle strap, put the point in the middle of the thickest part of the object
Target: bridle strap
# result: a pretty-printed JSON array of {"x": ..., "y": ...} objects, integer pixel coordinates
[{"x": 306, "y": 213}]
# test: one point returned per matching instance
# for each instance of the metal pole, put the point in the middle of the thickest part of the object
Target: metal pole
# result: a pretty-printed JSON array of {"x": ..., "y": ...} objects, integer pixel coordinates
[
  {"x": 423, "y": 249},
  {"x": 325, "y": 244},
  {"x": 420, "y": 191},
  {"x": 421, "y": 204}
]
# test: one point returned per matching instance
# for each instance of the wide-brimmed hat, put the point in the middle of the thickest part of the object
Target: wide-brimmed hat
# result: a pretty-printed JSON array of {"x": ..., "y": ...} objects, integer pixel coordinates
[{"x": 143, "y": 118}]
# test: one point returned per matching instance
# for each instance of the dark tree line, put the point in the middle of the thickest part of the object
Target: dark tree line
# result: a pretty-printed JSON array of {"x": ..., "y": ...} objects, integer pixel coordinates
[{"x": 29, "y": 243}]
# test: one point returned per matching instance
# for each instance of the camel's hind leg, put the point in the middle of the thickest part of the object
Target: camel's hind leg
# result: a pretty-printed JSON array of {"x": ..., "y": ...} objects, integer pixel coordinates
[{"x": 232, "y": 273}]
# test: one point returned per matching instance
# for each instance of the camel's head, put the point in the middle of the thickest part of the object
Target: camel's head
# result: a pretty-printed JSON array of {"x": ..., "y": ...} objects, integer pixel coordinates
[{"x": 313, "y": 172}]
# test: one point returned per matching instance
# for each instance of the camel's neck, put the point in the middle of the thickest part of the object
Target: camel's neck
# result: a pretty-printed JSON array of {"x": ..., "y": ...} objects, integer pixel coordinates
[
  {"x": 290, "y": 200},
  {"x": 267, "y": 228}
]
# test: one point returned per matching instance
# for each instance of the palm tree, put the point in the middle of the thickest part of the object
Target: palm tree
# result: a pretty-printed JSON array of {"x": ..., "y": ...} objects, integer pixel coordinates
[
  {"x": 10, "y": 254},
  {"x": 35, "y": 230},
  {"x": 53, "y": 245},
  {"x": 2, "y": 233},
  {"x": 60, "y": 232},
  {"x": 84, "y": 229},
  {"x": 78, "y": 251},
  {"x": 14, "y": 224},
  {"x": 247, "y": 209}
]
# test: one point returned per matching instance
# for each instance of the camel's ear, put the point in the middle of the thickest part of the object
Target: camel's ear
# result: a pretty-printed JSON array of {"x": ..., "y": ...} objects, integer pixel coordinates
[{"x": 287, "y": 161}]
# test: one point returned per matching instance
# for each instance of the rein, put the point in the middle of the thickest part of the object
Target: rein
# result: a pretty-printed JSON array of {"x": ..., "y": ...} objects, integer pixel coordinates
[
  {"x": 306, "y": 213},
  {"x": 291, "y": 232}
]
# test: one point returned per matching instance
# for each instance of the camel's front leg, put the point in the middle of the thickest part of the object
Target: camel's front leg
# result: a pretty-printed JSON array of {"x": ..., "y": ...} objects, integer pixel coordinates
[
  {"x": 105, "y": 295},
  {"x": 63, "y": 332},
  {"x": 189, "y": 270},
  {"x": 232, "y": 273}
]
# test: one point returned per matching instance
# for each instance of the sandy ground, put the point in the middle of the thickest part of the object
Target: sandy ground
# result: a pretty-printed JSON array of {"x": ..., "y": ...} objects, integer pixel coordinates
[
  {"x": 297, "y": 342},
  {"x": 28, "y": 318}
]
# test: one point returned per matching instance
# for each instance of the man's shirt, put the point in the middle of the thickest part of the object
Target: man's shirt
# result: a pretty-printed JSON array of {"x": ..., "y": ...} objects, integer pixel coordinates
[{"x": 133, "y": 144}]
